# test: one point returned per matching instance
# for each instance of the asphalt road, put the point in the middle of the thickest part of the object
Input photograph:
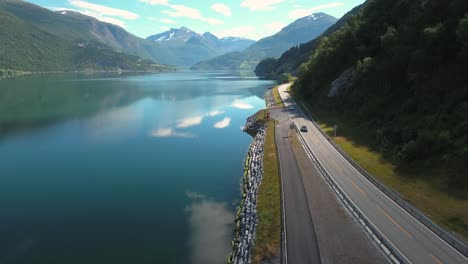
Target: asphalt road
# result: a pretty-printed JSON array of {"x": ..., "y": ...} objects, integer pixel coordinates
[
  {"x": 411, "y": 238},
  {"x": 300, "y": 239}
]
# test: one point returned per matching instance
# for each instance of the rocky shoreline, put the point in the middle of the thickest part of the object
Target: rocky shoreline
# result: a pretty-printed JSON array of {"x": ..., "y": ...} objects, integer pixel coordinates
[{"x": 246, "y": 216}]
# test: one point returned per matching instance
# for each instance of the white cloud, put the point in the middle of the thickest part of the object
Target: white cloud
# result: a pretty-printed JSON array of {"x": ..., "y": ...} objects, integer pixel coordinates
[
  {"x": 189, "y": 12},
  {"x": 222, "y": 9},
  {"x": 241, "y": 105},
  {"x": 165, "y": 28},
  {"x": 155, "y": 2},
  {"x": 169, "y": 132},
  {"x": 261, "y": 5},
  {"x": 275, "y": 26},
  {"x": 223, "y": 123},
  {"x": 90, "y": 13},
  {"x": 104, "y": 10},
  {"x": 190, "y": 121},
  {"x": 305, "y": 12},
  {"x": 244, "y": 31},
  {"x": 183, "y": 11},
  {"x": 167, "y": 21}
]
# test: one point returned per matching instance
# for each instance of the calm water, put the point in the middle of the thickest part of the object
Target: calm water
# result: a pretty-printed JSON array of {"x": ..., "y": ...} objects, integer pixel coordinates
[{"x": 122, "y": 169}]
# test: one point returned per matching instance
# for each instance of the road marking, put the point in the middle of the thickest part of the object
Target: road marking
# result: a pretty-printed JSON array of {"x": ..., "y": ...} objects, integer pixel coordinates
[
  {"x": 355, "y": 185},
  {"x": 436, "y": 259},
  {"x": 394, "y": 222}
]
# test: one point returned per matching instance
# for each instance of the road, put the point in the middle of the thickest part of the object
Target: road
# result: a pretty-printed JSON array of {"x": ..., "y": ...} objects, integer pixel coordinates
[
  {"x": 411, "y": 238},
  {"x": 303, "y": 247}
]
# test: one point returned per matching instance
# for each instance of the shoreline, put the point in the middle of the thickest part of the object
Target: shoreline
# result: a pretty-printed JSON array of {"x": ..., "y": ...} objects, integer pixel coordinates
[
  {"x": 8, "y": 74},
  {"x": 246, "y": 220},
  {"x": 257, "y": 231}
]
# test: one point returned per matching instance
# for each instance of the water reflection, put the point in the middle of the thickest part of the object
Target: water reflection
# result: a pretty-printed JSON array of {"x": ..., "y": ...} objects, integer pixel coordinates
[
  {"x": 211, "y": 228},
  {"x": 241, "y": 105},
  {"x": 223, "y": 123},
  {"x": 35, "y": 101},
  {"x": 169, "y": 132}
]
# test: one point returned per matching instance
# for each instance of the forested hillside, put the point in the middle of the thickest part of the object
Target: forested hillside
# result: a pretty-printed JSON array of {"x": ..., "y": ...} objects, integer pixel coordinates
[
  {"x": 408, "y": 93},
  {"x": 300, "y": 31},
  {"x": 291, "y": 60},
  {"x": 25, "y": 47}
]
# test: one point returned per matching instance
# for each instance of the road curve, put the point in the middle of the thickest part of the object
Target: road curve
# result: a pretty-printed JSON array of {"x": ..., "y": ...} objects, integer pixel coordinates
[
  {"x": 300, "y": 239},
  {"x": 412, "y": 239}
]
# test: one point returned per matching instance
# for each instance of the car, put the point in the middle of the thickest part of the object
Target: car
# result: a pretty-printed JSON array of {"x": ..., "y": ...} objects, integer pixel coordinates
[
  {"x": 304, "y": 129},
  {"x": 291, "y": 107}
]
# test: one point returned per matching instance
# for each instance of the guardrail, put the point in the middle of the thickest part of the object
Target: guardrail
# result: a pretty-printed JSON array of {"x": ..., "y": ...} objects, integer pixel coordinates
[
  {"x": 387, "y": 247},
  {"x": 442, "y": 233}
]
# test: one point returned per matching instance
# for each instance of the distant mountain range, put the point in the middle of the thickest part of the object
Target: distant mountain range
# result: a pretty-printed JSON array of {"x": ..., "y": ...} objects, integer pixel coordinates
[
  {"x": 82, "y": 37},
  {"x": 190, "y": 47},
  {"x": 300, "y": 31},
  {"x": 292, "y": 59}
]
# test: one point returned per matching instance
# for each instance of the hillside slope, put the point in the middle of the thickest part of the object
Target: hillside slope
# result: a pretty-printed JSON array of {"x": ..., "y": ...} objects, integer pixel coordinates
[
  {"x": 291, "y": 60},
  {"x": 300, "y": 31},
  {"x": 85, "y": 30},
  {"x": 26, "y": 48},
  {"x": 408, "y": 89}
]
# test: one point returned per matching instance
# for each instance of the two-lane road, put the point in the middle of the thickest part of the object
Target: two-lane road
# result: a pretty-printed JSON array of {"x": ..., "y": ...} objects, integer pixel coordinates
[
  {"x": 411, "y": 238},
  {"x": 302, "y": 247}
]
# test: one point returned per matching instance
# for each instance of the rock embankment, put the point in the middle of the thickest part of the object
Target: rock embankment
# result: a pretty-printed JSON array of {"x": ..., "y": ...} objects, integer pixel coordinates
[{"x": 246, "y": 217}]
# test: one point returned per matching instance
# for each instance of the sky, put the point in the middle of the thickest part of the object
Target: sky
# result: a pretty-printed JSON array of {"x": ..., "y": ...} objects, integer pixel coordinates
[{"x": 252, "y": 19}]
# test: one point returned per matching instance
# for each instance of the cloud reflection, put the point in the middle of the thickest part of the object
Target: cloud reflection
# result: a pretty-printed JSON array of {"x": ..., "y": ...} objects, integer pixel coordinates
[
  {"x": 241, "y": 105},
  {"x": 211, "y": 227},
  {"x": 215, "y": 113},
  {"x": 223, "y": 123},
  {"x": 190, "y": 121},
  {"x": 169, "y": 132},
  {"x": 196, "y": 120}
]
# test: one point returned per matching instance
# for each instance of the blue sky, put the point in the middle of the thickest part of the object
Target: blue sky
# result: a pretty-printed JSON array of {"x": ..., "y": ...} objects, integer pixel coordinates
[{"x": 253, "y": 19}]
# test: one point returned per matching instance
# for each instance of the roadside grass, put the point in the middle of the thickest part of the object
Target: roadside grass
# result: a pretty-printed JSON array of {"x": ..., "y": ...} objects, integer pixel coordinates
[
  {"x": 424, "y": 187},
  {"x": 268, "y": 234},
  {"x": 277, "y": 97}
]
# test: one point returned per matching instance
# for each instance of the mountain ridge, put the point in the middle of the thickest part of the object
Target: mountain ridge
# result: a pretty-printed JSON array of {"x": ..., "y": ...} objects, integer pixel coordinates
[
  {"x": 26, "y": 47},
  {"x": 299, "y": 31},
  {"x": 191, "y": 47}
]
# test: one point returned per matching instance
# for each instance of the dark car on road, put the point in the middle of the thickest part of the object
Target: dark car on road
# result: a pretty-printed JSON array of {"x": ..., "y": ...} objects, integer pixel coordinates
[{"x": 304, "y": 129}]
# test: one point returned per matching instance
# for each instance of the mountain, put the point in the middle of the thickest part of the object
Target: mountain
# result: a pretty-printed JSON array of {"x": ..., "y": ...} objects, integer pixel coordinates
[
  {"x": 25, "y": 47},
  {"x": 191, "y": 47},
  {"x": 406, "y": 94},
  {"x": 292, "y": 59},
  {"x": 300, "y": 31},
  {"x": 86, "y": 31}
]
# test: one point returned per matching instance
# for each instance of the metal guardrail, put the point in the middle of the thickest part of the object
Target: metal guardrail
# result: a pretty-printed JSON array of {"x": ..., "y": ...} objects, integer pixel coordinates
[
  {"x": 442, "y": 233},
  {"x": 387, "y": 247}
]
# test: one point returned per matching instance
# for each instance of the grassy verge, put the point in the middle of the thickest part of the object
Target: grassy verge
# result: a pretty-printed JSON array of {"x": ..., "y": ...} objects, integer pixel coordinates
[
  {"x": 277, "y": 97},
  {"x": 424, "y": 187},
  {"x": 267, "y": 243}
]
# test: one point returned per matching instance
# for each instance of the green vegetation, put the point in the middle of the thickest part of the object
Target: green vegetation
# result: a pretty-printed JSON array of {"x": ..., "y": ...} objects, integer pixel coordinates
[
  {"x": 300, "y": 31},
  {"x": 409, "y": 89},
  {"x": 291, "y": 60},
  {"x": 8, "y": 73},
  {"x": 27, "y": 48},
  {"x": 407, "y": 100},
  {"x": 277, "y": 97},
  {"x": 430, "y": 195},
  {"x": 268, "y": 234},
  {"x": 83, "y": 30}
]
